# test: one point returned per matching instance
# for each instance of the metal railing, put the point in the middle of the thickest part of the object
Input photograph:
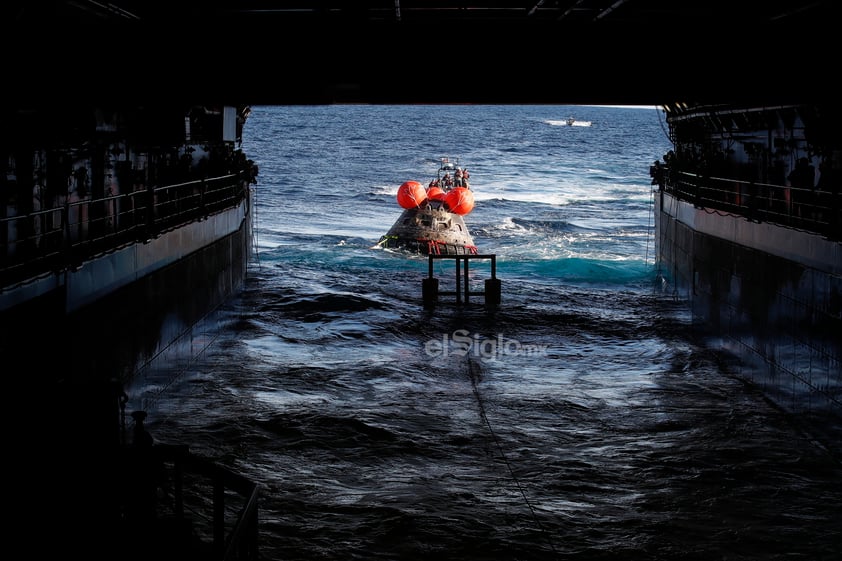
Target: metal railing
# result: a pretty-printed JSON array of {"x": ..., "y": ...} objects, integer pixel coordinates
[
  {"x": 812, "y": 210},
  {"x": 48, "y": 240},
  {"x": 217, "y": 508}
]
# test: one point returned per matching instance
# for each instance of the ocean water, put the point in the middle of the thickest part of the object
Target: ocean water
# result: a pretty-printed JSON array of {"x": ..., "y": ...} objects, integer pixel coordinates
[{"x": 582, "y": 419}]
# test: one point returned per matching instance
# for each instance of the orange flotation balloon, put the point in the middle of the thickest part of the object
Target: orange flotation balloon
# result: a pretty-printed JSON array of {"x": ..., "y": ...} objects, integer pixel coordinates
[
  {"x": 460, "y": 200},
  {"x": 435, "y": 194},
  {"x": 411, "y": 194}
]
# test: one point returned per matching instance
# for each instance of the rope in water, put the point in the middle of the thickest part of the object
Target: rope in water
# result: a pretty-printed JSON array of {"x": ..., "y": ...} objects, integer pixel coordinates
[{"x": 474, "y": 375}]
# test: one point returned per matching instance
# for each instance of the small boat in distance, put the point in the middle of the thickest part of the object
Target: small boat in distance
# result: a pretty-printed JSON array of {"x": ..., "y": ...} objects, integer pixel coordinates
[
  {"x": 432, "y": 221},
  {"x": 569, "y": 122}
]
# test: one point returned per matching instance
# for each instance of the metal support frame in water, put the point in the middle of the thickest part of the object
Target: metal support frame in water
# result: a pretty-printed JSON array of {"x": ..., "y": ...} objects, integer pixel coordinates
[{"x": 492, "y": 292}]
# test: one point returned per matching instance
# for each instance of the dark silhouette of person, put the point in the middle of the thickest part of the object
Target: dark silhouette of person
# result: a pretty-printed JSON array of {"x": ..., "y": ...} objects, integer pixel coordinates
[
  {"x": 803, "y": 175},
  {"x": 142, "y": 438},
  {"x": 802, "y": 178},
  {"x": 143, "y": 481},
  {"x": 656, "y": 172}
]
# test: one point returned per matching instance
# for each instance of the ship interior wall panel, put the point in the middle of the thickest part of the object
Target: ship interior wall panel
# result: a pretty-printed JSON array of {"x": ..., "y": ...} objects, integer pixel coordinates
[
  {"x": 780, "y": 319},
  {"x": 114, "y": 337},
  {"x": 217, "y": 272},
  {"x": 77, "y": 368}
]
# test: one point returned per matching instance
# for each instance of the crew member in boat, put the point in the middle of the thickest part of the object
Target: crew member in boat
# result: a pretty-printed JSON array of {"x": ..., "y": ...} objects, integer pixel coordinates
[
  {"x": 458, "y": 177},
  {"x": 447, "y": 182}
]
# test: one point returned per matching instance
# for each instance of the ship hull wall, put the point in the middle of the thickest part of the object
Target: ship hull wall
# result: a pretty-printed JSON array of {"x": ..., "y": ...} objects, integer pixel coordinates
[
  {"x": 770, "y": 297},
  {"x": 116, "y": 314}
]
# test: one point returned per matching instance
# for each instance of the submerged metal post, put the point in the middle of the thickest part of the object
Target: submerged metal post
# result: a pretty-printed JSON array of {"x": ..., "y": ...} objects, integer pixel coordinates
[
  {"x": 430, "y": 291},
  {"x": 467, "y": 286},
  {"x": 493, "y": 292}
]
